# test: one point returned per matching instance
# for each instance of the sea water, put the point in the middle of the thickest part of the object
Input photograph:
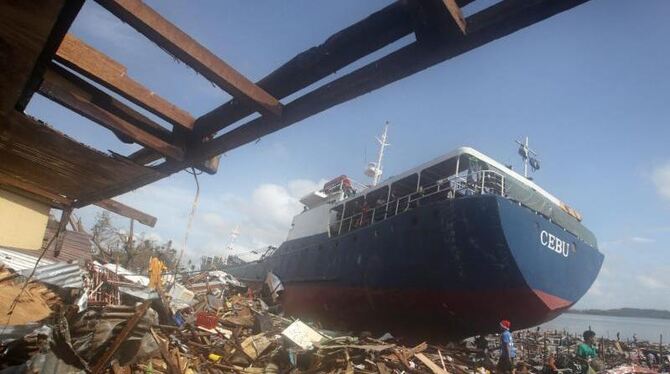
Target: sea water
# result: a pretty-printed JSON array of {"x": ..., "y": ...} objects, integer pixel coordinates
[{"x": 648, "y": 329}]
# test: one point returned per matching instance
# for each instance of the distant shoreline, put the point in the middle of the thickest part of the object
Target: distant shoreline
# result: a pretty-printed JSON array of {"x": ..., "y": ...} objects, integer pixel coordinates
[{"x": 624, "y": 312}]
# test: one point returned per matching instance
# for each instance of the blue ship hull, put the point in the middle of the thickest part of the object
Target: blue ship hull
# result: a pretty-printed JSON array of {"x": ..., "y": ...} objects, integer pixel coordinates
[{"x": 450, "y": 269}]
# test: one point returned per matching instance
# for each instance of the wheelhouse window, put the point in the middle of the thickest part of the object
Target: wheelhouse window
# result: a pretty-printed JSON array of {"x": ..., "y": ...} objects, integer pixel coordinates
[
  {"x": 377, "y": 203},
  {"x": 434, "y": 183},
  {"x": 401, "y": 193},
  {"x": 477, "y": 176}
]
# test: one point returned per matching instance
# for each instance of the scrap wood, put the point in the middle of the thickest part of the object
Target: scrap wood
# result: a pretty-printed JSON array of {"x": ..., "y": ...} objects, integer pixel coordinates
[
  {"x": 383, "y": 369},
  {"x": 364, "y": 347},
  {"x": 103, "y": 362},
  {"x": 430, "y": 364},
  {"x": 254, "y": 346},
  {"x": 172, "y": 368}
]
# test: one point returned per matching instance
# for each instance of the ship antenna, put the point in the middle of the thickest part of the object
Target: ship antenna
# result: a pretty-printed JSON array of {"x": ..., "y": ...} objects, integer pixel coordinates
[
  {"x": 529, "y": 157},
  {"x": 374, "y": 170}
]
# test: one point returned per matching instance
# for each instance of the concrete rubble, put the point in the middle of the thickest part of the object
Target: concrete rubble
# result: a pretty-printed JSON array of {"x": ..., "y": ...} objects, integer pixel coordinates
[{"x": 211, "y": 323}]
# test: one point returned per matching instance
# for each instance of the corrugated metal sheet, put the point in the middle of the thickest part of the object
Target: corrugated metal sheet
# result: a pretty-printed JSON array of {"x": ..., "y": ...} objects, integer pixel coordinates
[
  {"x": 60, "y": 274},
  {"x": 125, "y": 273},
  {"x": 19, "y": 260},
  {"x": 76, "y": 245}
]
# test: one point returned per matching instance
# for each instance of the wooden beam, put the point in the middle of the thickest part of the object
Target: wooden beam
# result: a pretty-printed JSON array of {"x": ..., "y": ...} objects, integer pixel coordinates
[
  {"x": 495, "y": 22},
  {"x": 29, "y": 187},
  {"x": 80, "y": 96},
  {"x": 456, "y": 14},
  {"x": 486, "y": 26},
  {"x": 146, "y": 155},
  {"x": 126, "y": 211},
  {"x": 337, "y": 51},
  {"x": 98, "y": 67},
  {"x": 169, "y": 37},
  {"x": 102, "y": 363},
  {"x": 62, "y": 228},
  {"x": 29, "y": 34}
]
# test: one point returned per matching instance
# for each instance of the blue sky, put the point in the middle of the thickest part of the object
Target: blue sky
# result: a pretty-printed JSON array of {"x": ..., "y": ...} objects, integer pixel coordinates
[{"x": 589, "y": 87}]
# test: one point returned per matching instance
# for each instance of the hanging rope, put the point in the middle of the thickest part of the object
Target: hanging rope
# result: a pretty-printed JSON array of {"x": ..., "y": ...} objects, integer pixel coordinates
[{"x": 189, "y": 223}]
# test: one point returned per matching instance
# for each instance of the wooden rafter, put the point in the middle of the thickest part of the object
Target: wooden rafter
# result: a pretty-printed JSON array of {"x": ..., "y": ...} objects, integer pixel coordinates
[
  {"x": 495, "y": 22},
  {"x": 339, "y": 50},
  {"x": 169, "y": 37},
  {"x": 95, "y": 65},
  {"x": 126, "y": 211},
  {"x": 80, "y": 96}
]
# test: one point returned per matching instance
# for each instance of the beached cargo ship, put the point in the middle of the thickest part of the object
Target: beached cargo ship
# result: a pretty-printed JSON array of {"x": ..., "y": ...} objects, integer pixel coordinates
[{"x": 446, "y": 249}]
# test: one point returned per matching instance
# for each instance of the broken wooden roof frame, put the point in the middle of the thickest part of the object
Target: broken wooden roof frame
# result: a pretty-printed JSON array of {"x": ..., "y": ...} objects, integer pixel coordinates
[{"x": 42, "y": 162}]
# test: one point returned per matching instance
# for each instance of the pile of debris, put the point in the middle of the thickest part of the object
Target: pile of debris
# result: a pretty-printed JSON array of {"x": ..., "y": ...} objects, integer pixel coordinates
[{"x": 111, "y": 320}]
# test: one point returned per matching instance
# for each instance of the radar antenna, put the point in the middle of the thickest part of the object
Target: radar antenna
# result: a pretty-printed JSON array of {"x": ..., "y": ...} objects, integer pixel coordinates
[{"x": 529, "y": 157}]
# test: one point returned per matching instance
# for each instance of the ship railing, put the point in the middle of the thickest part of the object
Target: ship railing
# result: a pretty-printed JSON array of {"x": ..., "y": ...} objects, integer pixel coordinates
[
  {"x": 356, "y": 188},
  {"x": 484, "y": 182}
]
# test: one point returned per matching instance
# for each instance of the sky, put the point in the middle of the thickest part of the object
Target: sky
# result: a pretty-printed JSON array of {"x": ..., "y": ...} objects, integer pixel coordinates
[{"x": 589, "y": 87}]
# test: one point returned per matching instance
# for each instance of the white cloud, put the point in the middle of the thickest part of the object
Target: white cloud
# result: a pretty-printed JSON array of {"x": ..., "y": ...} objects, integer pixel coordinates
[
  {"x": 264, "y": 216},
  {"x": 641, "y": 239},
  {"x": 661, "y": 178},
  {"x": 651, "y": 282}
]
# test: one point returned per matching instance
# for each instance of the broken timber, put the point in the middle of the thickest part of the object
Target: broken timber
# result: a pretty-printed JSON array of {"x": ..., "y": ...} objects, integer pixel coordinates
[
  {"x": 103, "y": 362},
  {"x": 80, "y": 96},
  {"x": 169, "y": 37},
  {"x": 126, "y": 211},
  {"x": 100, "y": 68},
  {"x": 42, "y": 162}
]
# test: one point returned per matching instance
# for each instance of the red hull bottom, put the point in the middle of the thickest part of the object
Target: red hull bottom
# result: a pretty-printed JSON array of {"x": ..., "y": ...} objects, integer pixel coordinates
[{"x": 434, "y": 314}]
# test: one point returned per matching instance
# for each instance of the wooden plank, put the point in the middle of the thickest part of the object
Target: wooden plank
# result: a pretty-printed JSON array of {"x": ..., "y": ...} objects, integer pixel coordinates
[
  {"x": 456, "y": 14},
  {"x": 337, "y": 51},
  {"x": 126, "y": 211},
  {"x": 169, "y": 37},
  {"x": 85, "y": 99},
  {"x": 146, "y": 155},
  {"x": 26, "y": 34},
  {"x": 62, "y": 229},
  {"x": 488, "y": 25},
  {"x": 102, "y": 363},
  {"x": 95, "y": 65},
  {"x": 430, "y": 364},
  {"x": 29, "y": 187}
]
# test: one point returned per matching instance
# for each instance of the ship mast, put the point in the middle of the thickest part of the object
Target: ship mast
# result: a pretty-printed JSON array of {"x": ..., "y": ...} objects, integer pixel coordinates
[
  {"x": 374, "y": 170},
  {"x": 529, "y": 157}
]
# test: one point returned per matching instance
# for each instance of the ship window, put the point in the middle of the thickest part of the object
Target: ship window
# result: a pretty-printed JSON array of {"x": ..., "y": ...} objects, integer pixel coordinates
[
  {"x": 352, "y": 214},
  {"x": 335, "y": 218},
  {"x": 436, "y": 174},
  {"x": 400, "y": 194},
  {"x": 376, "y": 201}
]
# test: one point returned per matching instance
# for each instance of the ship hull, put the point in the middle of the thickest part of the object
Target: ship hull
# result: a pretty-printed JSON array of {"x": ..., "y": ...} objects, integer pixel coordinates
[{"x": 446, "y": 270}]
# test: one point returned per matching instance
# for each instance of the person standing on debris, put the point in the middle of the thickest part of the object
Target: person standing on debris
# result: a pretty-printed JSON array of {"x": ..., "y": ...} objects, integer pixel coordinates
[
  {"x": 507, "y": 351},
  {"x": 587, "y": 352}
]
